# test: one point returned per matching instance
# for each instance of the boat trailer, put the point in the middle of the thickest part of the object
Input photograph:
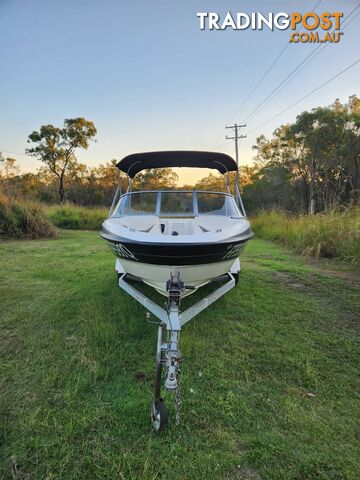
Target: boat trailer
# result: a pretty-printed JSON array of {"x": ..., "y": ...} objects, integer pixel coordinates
[{"x": 170, "y": 322}]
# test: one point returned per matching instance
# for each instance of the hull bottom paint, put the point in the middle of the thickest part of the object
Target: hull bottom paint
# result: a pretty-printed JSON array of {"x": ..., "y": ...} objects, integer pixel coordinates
[{"x": 192, "y": 275}]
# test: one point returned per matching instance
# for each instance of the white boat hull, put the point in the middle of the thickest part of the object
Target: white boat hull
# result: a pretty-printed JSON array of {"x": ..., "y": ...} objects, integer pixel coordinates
[{"x": 192, "y": 275}]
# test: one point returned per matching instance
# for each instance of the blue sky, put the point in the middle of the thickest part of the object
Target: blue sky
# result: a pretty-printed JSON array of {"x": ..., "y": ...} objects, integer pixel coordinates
[{"x": 149, "y": 78}]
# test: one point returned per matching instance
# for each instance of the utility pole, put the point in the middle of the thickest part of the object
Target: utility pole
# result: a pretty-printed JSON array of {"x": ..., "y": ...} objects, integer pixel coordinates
[{"x": 235, "y": 128}]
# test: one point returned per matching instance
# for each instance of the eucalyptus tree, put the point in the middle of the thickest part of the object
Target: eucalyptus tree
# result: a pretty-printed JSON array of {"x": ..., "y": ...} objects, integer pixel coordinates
[
  {"x": 330, "y": 141},
  {"x": 321, "y": 151},
  {"x": 56, "y": 147}
]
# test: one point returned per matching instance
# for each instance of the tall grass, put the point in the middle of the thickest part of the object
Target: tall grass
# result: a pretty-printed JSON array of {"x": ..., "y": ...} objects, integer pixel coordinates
[
  {"x": 335, "y": 234},
  {"x": 20, "y": 220},
  {"x": 73, "y": 217}
]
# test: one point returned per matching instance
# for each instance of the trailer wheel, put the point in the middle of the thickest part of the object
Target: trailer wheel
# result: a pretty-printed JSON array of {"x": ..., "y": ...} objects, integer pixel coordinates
[{"x": 159, "y": 415}]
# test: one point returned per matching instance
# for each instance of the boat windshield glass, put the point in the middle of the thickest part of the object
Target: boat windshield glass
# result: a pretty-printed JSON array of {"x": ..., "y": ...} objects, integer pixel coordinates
[
  {"x": 216, "y": 204},
  {"x": 177, "y": 203},
  {"x": 142, "y": 203}
]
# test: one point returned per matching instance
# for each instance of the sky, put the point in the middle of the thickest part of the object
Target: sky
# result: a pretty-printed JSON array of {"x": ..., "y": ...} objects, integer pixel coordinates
[{"x": 150, "y": 79}]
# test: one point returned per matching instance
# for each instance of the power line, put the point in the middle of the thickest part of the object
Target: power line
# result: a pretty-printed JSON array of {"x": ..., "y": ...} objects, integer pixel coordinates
[
  {"x": 348, "y": 23},
  {"x": 303, "y": 64},
  {"x": 318, "y": 50},
  {"x": 281, "y": 84},
  {"x": 307, "y": 95},
  {"x": 268, "y": 70},
  {"x": 324, "y": 46},
  {"x": 297, "y": 69},
  {"x": 260, "y": 80},
  {"x": 14, "y": 153}
]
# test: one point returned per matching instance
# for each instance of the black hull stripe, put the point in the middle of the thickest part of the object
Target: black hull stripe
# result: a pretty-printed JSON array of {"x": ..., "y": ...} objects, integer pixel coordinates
[{"x": 176, "y": 254}]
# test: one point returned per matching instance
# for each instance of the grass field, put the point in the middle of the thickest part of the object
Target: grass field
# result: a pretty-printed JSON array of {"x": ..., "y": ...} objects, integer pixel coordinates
[{"x": 269, "y": 380}]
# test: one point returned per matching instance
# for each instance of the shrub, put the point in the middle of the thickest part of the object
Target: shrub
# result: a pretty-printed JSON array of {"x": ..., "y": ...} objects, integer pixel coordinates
[
  {"x": 19, "y": 220},
  {"x": 334, "y": 234},
  {"x": 76, "y": 218}
]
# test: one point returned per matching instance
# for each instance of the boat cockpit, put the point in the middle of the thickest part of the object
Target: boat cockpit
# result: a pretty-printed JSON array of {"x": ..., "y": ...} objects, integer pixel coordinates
[{"x": 174, "y": 212}]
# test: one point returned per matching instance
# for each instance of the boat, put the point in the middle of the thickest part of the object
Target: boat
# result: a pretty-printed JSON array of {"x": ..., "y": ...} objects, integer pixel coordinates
[
  {"x": 199, "y": 234},
  {"x": 176, "y": 241}
]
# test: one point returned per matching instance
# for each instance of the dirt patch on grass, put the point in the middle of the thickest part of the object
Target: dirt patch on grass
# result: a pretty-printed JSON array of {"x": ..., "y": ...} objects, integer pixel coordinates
[
  {"x": 289, "y": 281},
  {"x": 142, "y": 377},
  {"x": 349, "y": 276},
  {"x": 242, "y": 473},
  {"x": 336, "y": 268}
]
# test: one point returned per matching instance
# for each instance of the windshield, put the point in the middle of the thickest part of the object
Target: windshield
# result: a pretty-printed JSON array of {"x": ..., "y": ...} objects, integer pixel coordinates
[
  {"x": 177, "y": 203},
  {"x": 143, "y": 203},
  {"x": 216, "y": 204}
]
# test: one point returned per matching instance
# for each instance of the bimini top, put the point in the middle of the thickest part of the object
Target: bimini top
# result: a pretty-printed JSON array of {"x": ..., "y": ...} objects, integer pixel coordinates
[{"x": 135, "y": 163}]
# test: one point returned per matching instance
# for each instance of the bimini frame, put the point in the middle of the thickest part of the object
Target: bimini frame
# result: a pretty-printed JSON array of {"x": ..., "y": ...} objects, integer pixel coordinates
[
  {"x": 171, "y": 320},
  {"x": 135, "y": 163}
]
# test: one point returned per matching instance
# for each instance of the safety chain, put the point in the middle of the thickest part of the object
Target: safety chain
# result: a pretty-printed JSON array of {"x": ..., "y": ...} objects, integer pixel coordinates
[{"x": 178, "y": 399}]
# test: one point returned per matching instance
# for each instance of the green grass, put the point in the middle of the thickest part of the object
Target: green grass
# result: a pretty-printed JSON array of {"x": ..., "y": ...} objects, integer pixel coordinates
[
  {"x": 335, "y": 234},
  {"x": 77, "y": 363},
  {"x": 72, "y": 217}
]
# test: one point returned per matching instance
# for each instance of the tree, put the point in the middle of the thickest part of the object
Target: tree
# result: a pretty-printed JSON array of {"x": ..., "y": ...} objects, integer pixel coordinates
[
  {"x": 330, "y": 140},
  {"x": 9, "y": 167},
  {"x": 2, "y": 163},
  {"x": 211, "y": 182},
  {"x": 56, "y": 147},
  {"x": 155, "y": 179},
  {"x": 321, "y": 153},
  {"x": 217, "y": 182}
]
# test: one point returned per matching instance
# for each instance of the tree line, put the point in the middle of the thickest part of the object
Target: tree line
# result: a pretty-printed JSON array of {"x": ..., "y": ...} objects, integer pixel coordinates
[{"x": 310, "y": 165}]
